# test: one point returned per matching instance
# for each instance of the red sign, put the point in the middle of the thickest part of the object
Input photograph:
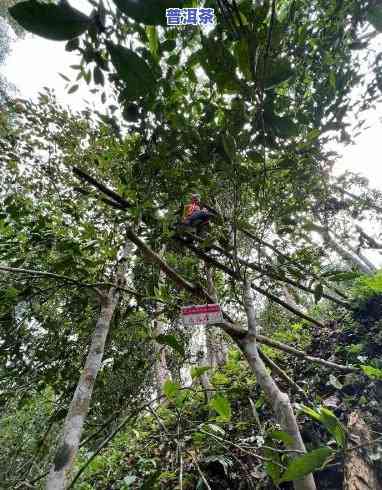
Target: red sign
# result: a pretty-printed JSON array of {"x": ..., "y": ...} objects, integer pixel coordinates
[{"x": 201, "y": 314}]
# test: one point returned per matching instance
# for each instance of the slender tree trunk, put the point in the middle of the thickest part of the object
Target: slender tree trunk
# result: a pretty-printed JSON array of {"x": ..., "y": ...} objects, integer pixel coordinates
[
  {"x": 204, "y": 378},
  {"x": 359, "y": 472},
  {"x": 278, "y": 400},
  {"x": 217, "y": 348},
  {"x": 161, "y": 369},
  {"x": 372, "y": 242},
  {"x": 60, "y": 472},
  {"x": 347, "y": 255},
  {"x": 364, "y": 259}
]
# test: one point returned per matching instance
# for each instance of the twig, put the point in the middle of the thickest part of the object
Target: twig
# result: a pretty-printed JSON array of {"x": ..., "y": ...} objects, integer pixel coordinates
[
  {"x": 274, "y": 367},
  {"x": 371, "y": 443},
  {"x": 235, "y": 445},
  {"x": 66, "y": 279},
  {"x": 111, "y": 436},
  {"x": 202, "y": 476},
  {"x": 298, "y": 353}
]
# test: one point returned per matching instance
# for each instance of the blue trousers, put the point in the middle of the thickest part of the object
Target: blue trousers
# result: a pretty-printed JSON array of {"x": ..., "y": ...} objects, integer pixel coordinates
[{"x": 200, "y": 216}]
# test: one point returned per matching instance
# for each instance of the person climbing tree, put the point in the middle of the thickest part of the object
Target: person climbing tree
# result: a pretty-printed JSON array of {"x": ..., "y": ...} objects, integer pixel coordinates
[{"x": 195, "y": 215}]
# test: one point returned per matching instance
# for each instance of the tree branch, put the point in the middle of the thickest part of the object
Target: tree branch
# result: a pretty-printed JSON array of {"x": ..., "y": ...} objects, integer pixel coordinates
[
  {"x": 280, "y": 372},
  {"x": 101, "y": 187},
  {"x": 260, "y": 290},
  {"x": 67, "y": 279},
  {"x": 302, "y": 355}
]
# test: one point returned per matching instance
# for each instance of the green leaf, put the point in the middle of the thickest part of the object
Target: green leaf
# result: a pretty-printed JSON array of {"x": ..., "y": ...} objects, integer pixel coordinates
[
  {"x": 330, "y": 422},
  {"x": 273, "y": 470},
  {"x": 152, "y": 36},
  {"x": 374, "y": 16},
  {"x": 277, "y": 72},
  {"x": 306, "y": 464},
  {"x": 222, "y": 406},
  {"x": 334, "y": 426},
  {"x": 170, "y": 389},
  {"x": 168, "y": 45},
  {"x": 216, "y": 428},
  {"x": 255, "y": 156},
  {"x": 312, "y": 413},
  {"x": 72, "y": 45},
  {"x": 171, "y": 341},
  {"x": 318, "y": 292},
  {"x": 372, "y": 372},
  {"x": 284, "y": 127},
  {"x": 149, "y": 12},
  {"x": 73, "y": 89},
  {"x": 282, "y": 436},
  {"x": 335, "y": 382},
  {"x": 98, "y": 77},
  {"x": 64, "y": 77},
  {"x": 181, "y": 398},
  {"x": 57, "y": 22},
  {"x": 196, "y": 372},
  {"x": 229, "y": 146},
  {"x": 133, "y": 70},
  {"x": 10, "y": 294}
]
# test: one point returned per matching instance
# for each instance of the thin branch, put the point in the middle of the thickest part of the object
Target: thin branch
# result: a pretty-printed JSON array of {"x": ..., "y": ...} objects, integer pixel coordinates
[
  {"x": 302, "y": 355},
  {"x": 249, "y": 234},
  {"x": 358, "y": 198},
  {"x": 235, "y": 445},
  {"x": 202, "y": 476},
  {"x": 366, "y": 444},
  {"x": 228, "y": 324},
  {"x": 110, "y": 202},
  {"x": 110, "y": 437},
  {"x": 67, "y": 279},
  {"x": 277, "y": 369},
  {"x": 275, "y": 275},
  {"x": 101, "y": 187},
  {"x": 207, "y": 258}
]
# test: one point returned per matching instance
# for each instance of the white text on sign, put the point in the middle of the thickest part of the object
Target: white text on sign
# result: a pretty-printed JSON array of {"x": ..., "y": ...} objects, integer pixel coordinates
[
  {"x": 201, "y": 314},
  {"x": 190, "y": 16}
]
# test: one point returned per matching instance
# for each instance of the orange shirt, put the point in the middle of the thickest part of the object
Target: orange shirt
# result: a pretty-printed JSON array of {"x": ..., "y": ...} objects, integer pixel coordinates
[{"x": 189, "y": 209}]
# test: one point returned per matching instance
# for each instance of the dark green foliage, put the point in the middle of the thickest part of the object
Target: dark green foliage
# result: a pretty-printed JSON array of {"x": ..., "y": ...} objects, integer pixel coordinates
[
  {"x": 150, "y": 12},
  {"x": 57, "y": 22},
  {"x": 133, "y": 70},
  {"x": 374, "y": 16},
  {"x": 171, "y": 341},
  {"x": 303, "y": 465}
]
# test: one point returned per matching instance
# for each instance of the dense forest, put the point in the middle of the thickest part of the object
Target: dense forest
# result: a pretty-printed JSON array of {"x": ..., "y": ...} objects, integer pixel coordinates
[{"x": 103, "y": 385}]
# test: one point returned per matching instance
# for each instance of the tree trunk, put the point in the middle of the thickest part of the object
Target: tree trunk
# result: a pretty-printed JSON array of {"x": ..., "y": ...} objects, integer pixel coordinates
[
  {"x": 359, "y": 472},
  {"x": 60, "y": 472},
  {"x": 204, "y": 378},
  {"x": 278, "y": 400},
  {"x": 345, "y": 254},
  {"x": 364, "y": 259},
  {"x": 217, "y": 348},
  {"x": 372, "y": 242},
  {"x": 161, "y": 369}
]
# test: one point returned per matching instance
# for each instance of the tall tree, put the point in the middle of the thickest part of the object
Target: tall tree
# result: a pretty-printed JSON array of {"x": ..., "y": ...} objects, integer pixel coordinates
[{"x": 241, "y": 112}]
